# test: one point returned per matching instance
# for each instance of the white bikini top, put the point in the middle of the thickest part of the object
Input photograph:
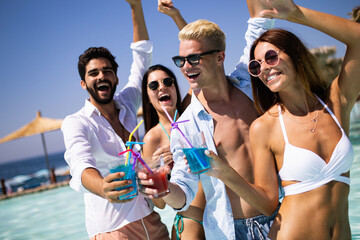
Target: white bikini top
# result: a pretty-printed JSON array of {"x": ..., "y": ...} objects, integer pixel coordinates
[{"x": 308, "y": 168}]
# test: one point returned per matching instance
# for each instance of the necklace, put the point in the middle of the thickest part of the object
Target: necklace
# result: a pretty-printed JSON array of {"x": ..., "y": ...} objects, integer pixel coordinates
[{"x": 313, "y": 119}]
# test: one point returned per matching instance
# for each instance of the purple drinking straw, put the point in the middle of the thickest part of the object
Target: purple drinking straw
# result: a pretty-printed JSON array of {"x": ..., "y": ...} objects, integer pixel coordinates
[
  {"x": 137, "y": 156},
  {"x": 175, "y": 125}
]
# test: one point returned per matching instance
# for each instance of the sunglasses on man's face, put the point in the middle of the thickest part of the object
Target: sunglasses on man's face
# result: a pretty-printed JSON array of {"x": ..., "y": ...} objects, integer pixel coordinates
[
  {"x": 193, "y": 59},
  {"x": 271, "y": 59},
  {"x": 154, "y": 85}
]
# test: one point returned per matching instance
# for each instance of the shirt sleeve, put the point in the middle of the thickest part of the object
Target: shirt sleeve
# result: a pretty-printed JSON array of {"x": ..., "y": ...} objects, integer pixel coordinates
[
  {"x": 142, "y": 59},
  {"x": 256, "y": 26},
  {"x": 188, "y": 182},
  {"x": 78, "y": 150}
]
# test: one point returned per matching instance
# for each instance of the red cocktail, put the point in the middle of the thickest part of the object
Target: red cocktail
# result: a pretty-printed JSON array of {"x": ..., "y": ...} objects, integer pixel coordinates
[{"x": 160, "y": 180}]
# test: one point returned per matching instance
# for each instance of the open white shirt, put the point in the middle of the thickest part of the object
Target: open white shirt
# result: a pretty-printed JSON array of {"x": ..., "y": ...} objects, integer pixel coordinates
[
  {"x": 91, "y": 142},
  {"x": 218, "y": 220}
]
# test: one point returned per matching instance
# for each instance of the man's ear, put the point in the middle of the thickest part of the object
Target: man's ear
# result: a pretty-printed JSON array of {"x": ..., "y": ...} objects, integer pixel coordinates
[
  {"x": 83, "y": 84},
  {"x": 221, "y": 57}
]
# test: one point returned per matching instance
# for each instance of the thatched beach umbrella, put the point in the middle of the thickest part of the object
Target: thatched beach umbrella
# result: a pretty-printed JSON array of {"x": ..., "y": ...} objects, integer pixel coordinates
[{"x": 39, "y": 125}]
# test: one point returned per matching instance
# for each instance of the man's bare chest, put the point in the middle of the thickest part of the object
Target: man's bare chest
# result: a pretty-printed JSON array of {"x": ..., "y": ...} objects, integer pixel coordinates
[{"x": 230, "y": 133}]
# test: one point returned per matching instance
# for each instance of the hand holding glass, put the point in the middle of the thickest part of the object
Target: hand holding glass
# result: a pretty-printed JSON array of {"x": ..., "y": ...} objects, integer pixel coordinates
[
  {"x": 196, "y": 157},
  {"x": 195, "y": 152},
  {"x": 159, "y": 177},
  {"x": 121, "y": 165}
]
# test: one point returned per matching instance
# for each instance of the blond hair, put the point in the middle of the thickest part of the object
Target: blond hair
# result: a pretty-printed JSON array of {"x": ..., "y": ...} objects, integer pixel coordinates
[{"x": 204, "y": 30}]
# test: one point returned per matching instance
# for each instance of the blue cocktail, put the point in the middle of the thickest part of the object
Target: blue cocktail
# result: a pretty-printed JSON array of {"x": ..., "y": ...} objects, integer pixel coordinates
[
  {"x": 130, "y": 174},
  {"x": 197, "y": 159}
]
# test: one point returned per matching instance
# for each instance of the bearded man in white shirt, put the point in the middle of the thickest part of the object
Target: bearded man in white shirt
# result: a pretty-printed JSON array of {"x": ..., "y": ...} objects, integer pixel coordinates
[{"x": 96, "y": 135}]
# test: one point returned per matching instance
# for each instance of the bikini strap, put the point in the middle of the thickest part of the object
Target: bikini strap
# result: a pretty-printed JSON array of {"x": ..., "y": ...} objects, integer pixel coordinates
[
  {"x": 164, "y": 130},
  {"x": 282, "y": 125},
  {"x": 179, "y": 218},
  {"x": 329, "y": 111}
]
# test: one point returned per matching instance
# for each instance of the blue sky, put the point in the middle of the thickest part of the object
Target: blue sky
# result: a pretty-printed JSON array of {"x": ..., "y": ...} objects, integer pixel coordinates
[{"x": 41, "y": 40}]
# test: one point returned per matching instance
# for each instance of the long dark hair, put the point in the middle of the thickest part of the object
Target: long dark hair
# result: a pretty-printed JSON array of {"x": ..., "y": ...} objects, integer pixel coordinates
[
  {"x": 304, "y": 62},
  {"x": 150, "y": 115}
]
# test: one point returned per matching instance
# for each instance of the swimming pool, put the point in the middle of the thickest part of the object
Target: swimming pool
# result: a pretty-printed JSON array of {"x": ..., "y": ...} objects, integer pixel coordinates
[
  {"x": 354, "y": 198},
  {"x": 59, "y": 213},
  {"x": 52, "y": 214}
]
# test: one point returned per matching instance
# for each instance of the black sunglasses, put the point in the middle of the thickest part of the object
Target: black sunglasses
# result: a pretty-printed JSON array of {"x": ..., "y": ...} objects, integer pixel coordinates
[
  {"x": 193, "y": 59},
  {"x": 271, "y": 58},
  {"x": 168, "y": 82}
]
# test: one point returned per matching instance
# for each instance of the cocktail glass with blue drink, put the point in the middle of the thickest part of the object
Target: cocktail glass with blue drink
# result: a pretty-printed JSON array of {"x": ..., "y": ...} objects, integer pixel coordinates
[
  {"x": 195, "y": 155},
  {"x": 122, "y": 165},
  {"x": 195, "y": 151}
]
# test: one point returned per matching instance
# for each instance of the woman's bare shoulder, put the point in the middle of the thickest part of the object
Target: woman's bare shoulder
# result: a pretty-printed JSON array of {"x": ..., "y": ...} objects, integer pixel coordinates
[
  {"x": 153, "y": 135},
  {"x": 267, "y": 120}
]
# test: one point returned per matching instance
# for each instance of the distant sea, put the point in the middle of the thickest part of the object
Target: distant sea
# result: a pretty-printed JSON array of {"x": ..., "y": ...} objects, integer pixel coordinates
[{"x": 32, "y": 172}]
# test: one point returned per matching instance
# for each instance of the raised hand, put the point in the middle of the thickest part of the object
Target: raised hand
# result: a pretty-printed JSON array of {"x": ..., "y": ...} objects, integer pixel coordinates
[
  {"x": 256, "y": 7},
  {"x": 282, "y": 9},
  {"x": 167, "y": 7}
]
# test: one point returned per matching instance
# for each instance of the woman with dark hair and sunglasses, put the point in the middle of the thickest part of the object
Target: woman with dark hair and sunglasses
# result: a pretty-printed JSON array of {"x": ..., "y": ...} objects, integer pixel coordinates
[
  {"x": 302, "y": 135},
  {"x": 160, "y": 89}
]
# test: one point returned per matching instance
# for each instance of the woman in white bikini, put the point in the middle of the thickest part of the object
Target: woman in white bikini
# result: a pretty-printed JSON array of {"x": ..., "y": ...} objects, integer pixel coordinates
[{"x": 302, "y": 135}]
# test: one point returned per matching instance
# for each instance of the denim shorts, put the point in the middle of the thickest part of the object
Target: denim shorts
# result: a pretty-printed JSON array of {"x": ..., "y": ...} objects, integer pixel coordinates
[{"x": 256, "y": 228}]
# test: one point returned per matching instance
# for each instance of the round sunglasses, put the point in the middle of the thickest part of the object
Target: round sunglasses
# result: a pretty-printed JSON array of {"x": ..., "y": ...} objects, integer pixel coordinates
[
  {"x": 193, "y": 59},
  {"x": 271, "y": 58},
  {"x": 154, "y": 85}
]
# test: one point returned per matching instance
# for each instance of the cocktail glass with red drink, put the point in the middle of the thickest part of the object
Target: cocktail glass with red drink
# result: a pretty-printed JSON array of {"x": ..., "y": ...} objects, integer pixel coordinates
[{"x": 159, "y": 177}]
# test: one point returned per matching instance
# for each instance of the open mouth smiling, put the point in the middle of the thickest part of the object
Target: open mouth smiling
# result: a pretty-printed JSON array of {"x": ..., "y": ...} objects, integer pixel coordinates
[
  {"x": 273, "y": 76},
  {"x": 103, "y": 87},
  {"x": 192, "y": 75},
  {"x": 164, "y": 98}
]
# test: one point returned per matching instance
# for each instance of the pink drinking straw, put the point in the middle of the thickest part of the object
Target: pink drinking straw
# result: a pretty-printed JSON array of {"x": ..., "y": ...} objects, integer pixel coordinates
[
  {"x": 137, "y": 156},
  {"x": 175, "y": 125}
]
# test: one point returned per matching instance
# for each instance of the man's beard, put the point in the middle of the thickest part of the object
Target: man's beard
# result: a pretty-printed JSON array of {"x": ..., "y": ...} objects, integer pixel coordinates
[{"x": 94, "y": 94}]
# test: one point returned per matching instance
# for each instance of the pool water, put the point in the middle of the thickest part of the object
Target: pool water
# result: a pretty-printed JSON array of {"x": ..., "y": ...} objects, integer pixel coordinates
[
  {"x": 354, "y": 197},
  {"x": 52, "y": 214}
]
